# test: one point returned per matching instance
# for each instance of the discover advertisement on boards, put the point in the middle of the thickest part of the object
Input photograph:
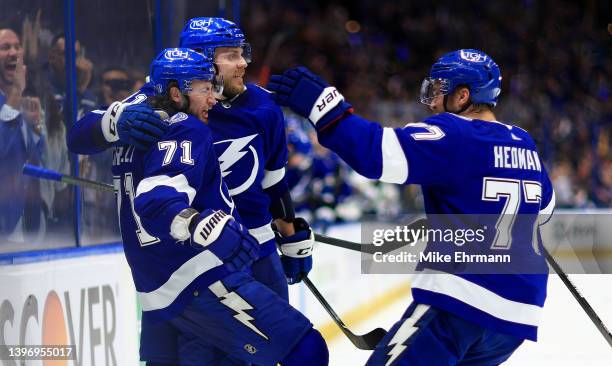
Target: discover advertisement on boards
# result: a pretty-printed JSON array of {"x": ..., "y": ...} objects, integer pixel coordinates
[{"x": 87, "y": 303}]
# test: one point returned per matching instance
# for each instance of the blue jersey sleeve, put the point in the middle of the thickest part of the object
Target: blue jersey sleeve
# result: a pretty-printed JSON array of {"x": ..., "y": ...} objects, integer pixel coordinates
[
  {"x": 85, "y": 136},
  {"x": 174, "y": 171},
  {"x": 420, "y": 153},
  {"x": 274, "y": 182},
  {"x": 431, "y": 149}
]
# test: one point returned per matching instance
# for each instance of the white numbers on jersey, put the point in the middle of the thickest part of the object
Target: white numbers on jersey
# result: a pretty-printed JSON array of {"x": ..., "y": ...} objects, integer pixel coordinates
[
  {"x": 433, "y": 132},
  {"x": 138, "y": 98},
  {"x": 143, "y": 236},
  {"x": 186, "y": 157},
  {"x": 170, "y": 147},
  {"x": 494, "y": 189}
]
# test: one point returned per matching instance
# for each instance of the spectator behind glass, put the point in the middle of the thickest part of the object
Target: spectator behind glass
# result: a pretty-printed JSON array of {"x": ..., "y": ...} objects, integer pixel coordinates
[
  {"x": 21, "y": 215},
  {"x": 139, "y": 77},
  {"x": 115, "y": 84},
  {"x": 99, "y": 222},
  {"x": 59, "y": 196},
  {"x": 57, "y": 63}
]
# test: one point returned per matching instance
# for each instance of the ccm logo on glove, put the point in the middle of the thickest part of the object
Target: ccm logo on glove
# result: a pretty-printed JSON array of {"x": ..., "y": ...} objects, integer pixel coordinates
[
  {"x": 329, "y": 98},
  {"x": 209, "y": 228},
  {"x": 304, "y": 252}
]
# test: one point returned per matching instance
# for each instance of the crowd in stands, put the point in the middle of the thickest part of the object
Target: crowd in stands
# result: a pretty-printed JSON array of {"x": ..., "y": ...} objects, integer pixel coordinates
[{"x": 554, "y": 57}]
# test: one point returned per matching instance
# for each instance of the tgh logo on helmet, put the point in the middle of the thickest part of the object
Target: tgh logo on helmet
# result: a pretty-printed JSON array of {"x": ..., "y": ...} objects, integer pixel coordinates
[
  {"x": 200, "y": 24},
  {"x": 473, "y": 56},
  {"x": 176, "y": 54}
]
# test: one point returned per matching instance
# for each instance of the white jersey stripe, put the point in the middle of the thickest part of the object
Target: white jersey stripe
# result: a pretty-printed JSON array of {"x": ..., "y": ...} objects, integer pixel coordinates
[
  {"x": 263, "y": 233},
  {"x": 178, "y": 182},
  {"x": 546, "y": 212},
  {"x": 394, "y": 163},
  {"x": 271, "y": 177},
  {"x": 164, "y": 295},
  {"x": 479, "y": 297}
]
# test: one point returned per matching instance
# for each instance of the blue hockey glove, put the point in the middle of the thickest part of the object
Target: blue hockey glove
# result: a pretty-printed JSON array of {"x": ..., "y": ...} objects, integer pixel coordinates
[
  {"x": 133, "y": 124},
  {"x": 225, "y": 238},
  {"x": 296, "y": 251},
  {"x": 309, "y": 96}
]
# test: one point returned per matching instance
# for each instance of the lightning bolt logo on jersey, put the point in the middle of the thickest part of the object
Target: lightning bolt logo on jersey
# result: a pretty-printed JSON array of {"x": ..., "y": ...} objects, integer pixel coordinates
[
  {"x": 249, "y": 134},
  {"x": 152, "y": 187},
  {"x": 235, "y": 302},
  {"x": 407, "y": 328},
  {"x": 483, "y": 167},
  {"x": 240, "y": 158},
  {"x": 252, "y": 151}
]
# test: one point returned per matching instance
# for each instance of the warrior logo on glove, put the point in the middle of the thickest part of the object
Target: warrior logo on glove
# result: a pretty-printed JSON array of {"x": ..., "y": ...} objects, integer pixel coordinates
[{"x": 209, "y": 229}]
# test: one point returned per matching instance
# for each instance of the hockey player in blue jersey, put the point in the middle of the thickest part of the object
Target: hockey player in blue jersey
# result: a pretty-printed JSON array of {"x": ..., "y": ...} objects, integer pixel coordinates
[
  {"x": 248, "y": 130},
  {"x": 466, "y": 163},
  {"x": 249, "y": 133},
  {"x": 189, "y": 255}
]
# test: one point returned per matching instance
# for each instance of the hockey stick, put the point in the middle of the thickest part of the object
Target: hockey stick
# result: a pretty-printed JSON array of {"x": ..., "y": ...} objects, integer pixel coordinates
[
  {"x": 370, "y": 248},
  {"x": 366, "y": 341},
  {"x": 584, "y": 304},
  {"x": 364, "y": 248},
  {"x": 42, "y": 173}
]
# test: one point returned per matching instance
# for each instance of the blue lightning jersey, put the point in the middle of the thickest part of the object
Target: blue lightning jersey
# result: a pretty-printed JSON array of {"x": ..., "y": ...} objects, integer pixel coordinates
[
  {"x": 464, "y": 166},
  {"x": 152, "y": 187},
  {"x": 249, "y": 135}
]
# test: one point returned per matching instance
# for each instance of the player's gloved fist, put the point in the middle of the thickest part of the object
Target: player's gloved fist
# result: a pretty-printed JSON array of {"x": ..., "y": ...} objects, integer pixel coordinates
[
  {"x": 308, "y": 95},
  {"x": 296, "y": 251},
  {"x": 133, "y": 124},
  {"x": 225, "y": 238}
]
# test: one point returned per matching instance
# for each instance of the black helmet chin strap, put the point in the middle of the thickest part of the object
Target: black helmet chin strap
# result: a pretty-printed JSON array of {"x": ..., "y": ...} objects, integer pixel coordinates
[{"x": 465, "y": 107}]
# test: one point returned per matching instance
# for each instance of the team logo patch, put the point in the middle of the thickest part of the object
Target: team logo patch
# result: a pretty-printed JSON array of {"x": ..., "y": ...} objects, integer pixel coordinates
[
  {"x": 200, "y": 24},
  {"x": 473, "y": 56},
  {"x": 180, "y": 116},
  {"x": 239, "y": 163},
  {"x": 176, "y": 54}
]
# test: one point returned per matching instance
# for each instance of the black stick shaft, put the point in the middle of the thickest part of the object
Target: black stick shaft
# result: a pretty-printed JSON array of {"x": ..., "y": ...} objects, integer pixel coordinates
[
  {"x": 87, "y": 183},
  {"x": 584, "y": 304},
  {"x": 366, "y": 341},
  {"x": 369, "y": 248},
  {"x": 322, "y": 300}
]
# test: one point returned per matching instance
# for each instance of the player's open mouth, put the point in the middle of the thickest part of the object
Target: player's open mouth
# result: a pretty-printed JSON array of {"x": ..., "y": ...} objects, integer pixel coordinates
[{"x": 10, "y": 66}]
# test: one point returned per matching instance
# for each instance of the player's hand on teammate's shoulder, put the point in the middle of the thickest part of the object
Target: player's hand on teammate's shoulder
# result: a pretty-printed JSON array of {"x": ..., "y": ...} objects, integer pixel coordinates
[
  {"x": 309, "y": 95},
  {"x": 296, "y": 251},
  {"x": 141, "y": 126}
]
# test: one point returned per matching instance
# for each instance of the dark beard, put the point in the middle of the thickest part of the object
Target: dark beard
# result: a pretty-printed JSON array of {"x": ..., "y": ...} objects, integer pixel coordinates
[{"x": 230, "y": 93}]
